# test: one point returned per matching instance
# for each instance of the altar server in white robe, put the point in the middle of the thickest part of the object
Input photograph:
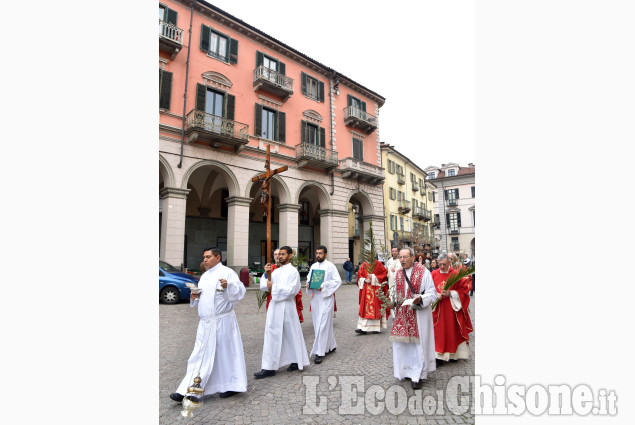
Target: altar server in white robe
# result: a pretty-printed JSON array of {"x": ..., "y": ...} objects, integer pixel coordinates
[
  {"x": 218, "y": 356},
  {"x": 412, "y": 333},
  {"x": 284, "y": 343},
  {"x": 322, "y": 303}
]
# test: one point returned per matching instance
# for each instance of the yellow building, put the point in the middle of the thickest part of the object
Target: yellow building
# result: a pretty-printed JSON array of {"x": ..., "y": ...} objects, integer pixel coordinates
[{"x": 407, "y": 203}]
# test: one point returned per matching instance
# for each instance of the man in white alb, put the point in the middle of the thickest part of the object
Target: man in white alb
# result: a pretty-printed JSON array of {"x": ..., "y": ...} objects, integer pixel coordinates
[
  {"x": 284, "y": 342},
  {"x": 392, "y": 267},
  {"x": 322, "y": 303},
  {"x": 412, "y": 333},
  {"x": 218, "y": 356}
]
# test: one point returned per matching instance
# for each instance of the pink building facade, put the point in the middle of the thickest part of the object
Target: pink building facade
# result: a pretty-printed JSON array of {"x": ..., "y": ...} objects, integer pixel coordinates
[{"x": 245, "y": 90}]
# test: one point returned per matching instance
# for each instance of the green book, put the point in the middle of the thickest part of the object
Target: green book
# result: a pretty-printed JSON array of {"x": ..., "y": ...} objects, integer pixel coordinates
[{"x": 317, "y": 277}]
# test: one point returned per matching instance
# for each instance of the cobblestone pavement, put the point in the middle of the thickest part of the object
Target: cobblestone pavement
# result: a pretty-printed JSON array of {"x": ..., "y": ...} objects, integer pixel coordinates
[{"x": 280, "y": 399}]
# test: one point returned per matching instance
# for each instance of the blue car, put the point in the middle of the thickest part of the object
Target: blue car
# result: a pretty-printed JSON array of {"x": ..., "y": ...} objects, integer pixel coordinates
[
  {"x": 172, "y": 288},
  {"x": 173, "y": 270}
]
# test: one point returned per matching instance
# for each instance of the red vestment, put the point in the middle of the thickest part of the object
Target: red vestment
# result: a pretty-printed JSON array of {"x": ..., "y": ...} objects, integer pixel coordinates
[
  {"x": 298, "y": 299},
  {"x": 404, "y": 327},
  {"x": 369, "y": 303},
  {"x": 451, "y": 328}
]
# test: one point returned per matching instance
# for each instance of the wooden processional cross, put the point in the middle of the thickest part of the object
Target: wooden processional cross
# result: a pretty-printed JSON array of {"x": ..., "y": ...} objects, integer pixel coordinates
[{"x": 265, "y": 178}]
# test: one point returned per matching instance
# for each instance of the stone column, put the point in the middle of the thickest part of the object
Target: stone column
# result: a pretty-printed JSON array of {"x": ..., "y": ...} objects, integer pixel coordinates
[
  {"x": 237, "y": 232},
  {"x": 171, "y": 245},
  {"x": 334, "y": 235},
  {"x": 288, "y": 225}
]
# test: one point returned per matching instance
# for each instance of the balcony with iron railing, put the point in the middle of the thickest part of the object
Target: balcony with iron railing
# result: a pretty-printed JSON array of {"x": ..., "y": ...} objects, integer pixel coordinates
[
  {"x": 437, "y": 222},
  {"x": 454, "y": 231},
  {"x": 216, "y": 130},
  {"x": 314, "y": 156},
  {"x": 361, "y": 171},
  {"x": 415, "y": 186},
  {"x": 355, "y": 117},
  {"x": 451, "y": 202},
  {"x": 427, "y": 215},
  {"x": 273, "y": 82},
  {"x": 170, "y": 38},
  {"x": 456, "y": 247},
  {"x": 401, "y": 179},
  {"x": 404, "y": 207},
  {"x": 404, "y": 235},
  {"x": 418, "y": 212}
]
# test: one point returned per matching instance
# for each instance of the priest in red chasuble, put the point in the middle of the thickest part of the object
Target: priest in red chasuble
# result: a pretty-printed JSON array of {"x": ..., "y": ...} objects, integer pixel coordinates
[
  {"x": 452, "y": 323},
  {"x": 412, "y": 333},
  {"x": 370, "y": 317}
]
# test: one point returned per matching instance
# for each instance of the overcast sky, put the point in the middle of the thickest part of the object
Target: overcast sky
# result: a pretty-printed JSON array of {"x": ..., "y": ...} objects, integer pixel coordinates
[{"x": 420, "y": 56}]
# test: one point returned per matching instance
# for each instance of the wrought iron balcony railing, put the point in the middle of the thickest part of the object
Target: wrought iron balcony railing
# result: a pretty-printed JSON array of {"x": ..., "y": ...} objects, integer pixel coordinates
[
  {"x": 170, "y": 38},
  {"x": 212, "y": 128},
  {"x": 404, "y": 206},
  {"x": 418, "y": 212},
  {"x": 273, "y": 81},
  {"x": 356, "y": 117},
  {"x": 427, "y": 215},
  {"x": 401, "y": 179},
  {"x": 415, "y": 186},
  {"x": 361, "y": 171},
  {"x": 315, "y": 156},
  {"x": 452, "y": 202}
]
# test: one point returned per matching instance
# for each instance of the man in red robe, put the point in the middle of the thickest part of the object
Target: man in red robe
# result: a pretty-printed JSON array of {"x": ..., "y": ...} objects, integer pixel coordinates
[
  {"x": 298, "y": 298},
  {"x": 451, "y": 317},
  {"x": 370, "y": 317}
]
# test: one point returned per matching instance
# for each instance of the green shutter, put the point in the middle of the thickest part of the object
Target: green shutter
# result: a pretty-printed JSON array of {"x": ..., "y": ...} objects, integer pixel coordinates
[
  {"x": 201, "y": 92},
  {"x": 171, "y": 16},
  {"x": 281, "y": 126},
  {"x": 322, "y": 137},
  {"x": 321, "y": 91},
  {"x": 456, "y": 193},
  {"x": 303, "y": 131},
  {"x": 259, "y": 58},
  {"x": 304, "y": 83},
  {"x": 281, "y": 68},
  {"x": 447, "y": 220},
  {"x": 233, "y": 51},
  {"x": 258, "y": 121},
  {"x": 349, "y": 100},
  {"x": 205, "y": 37},
  {"x": 458, "y": 219},
  {"x": 230, "y": 104},
  {"x": 165, "y": 83},
  {"x": 364, "y": 106}
]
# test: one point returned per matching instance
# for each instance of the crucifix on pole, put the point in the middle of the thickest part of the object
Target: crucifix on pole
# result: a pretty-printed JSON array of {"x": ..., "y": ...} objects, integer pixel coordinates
[{"x": 265, "y": 202}]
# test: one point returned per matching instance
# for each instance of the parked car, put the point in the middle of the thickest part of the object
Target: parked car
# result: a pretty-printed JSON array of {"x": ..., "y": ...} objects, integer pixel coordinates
[
  {"x": 175, "y": 271},
  {"x": 173, "y": 288}
]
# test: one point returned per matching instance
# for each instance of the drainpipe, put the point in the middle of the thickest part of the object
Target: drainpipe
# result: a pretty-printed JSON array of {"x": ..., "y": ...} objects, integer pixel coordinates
[
  {"x": 331, "y": 125},
  {"x": 187, "y": 69}
]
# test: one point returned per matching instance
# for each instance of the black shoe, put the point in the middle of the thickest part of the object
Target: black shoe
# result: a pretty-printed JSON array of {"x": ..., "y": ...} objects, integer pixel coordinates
[
  {"x": 176, "y": 397},
  {"x": 416, "y": 385},
  {"x": 331, "y": 351},
  {"x": 193, "y": 399},
  {"x": 228, "y": 394},
  {"x": 318, "y": 359},
  {"x": 439, "y": 362},
  {"x": 264, "y": 373},
  {"x": 359, "y": 331},
  {"x": 293, "y": 367}
]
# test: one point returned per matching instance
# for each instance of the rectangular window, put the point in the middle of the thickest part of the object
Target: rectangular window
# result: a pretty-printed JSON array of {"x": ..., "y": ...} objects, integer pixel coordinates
[
  {"x": 358, "y": 149},
  {"x": 455, "y": 244},
  {"x": 473, "y": 191},
  {"x": 401, "y": 223},
  {"x": 434, "y": 196},
  {"x": 268, "y": 124},
  {"x": 219, "y": 45},
  {"x": 392, "y": 222},
  {"x": 390, "y": 167},
  {"x": 454, "y": 224},
  {"x": 312, "y": 87},
  {"x": 392, "y": 193},
  {"x": 312, "y": 134},
  {"x": 452, "y": 195},
  {"x": 451, "y": 172}
]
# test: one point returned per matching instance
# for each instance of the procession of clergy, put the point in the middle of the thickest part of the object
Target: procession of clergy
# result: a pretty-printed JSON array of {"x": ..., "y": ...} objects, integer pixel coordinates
[{"x": 421, "y": 337}]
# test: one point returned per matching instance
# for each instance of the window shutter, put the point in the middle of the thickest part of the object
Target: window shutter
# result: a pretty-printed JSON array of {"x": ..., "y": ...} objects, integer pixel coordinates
[
  {"x": 321, "y": 91},
  {"x": 445, "y": 193},
  {"x": 165, "y": 80},
  {"x": 473, "y": 191},
  {"x": 303, "y": 83},
  {"x": 364, "y": 106},
  {"x": 456, "y": 193},
  {"x": 258, "y": 121},
  {"x": 201, "y": 92},
  {"x": 205, "y": 37},
  {"x": 233, "y": 51},
  {"x": 349, "y": 100},
  {"x": 322, "y": 137},
  {"x": 282, "y": 126},
  {"x": 447, "y": 220},
  {"x": 303, "y": 132},
  {"x": 281, "y": 68},
  {"x": 259, "y": 58},
  {"x": 230, "y": 104},
  {"x": 171, "y": 16},
  {"x": 458, "y": 218}
]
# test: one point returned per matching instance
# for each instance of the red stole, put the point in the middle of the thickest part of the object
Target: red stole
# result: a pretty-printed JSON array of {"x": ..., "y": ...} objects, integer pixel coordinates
[
  {"x": 404, "y": 327},
  {"x": 369, "y": 303},
  {"x": 451, "y": 328}
]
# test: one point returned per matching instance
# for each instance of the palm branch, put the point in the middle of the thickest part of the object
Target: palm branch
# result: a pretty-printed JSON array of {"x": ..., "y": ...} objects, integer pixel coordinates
[
  {"x": 371, "y": 250},
  {"x": 463, "y": 272},
  {"x": 262, "y": 298}
]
